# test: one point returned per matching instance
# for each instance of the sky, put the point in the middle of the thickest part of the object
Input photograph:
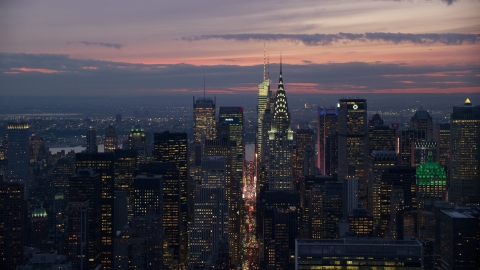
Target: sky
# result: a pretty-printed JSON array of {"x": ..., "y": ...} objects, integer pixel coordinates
[{"x": 132, "y": 48}]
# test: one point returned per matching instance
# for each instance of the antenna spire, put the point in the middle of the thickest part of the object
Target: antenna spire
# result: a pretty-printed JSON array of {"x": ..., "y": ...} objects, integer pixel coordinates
[
  {"x": 204, "y": 85},
  {"x": 268, "y": 66},
  {"x": 280, "y": 63},
  {"x": 264, "y": 63}
]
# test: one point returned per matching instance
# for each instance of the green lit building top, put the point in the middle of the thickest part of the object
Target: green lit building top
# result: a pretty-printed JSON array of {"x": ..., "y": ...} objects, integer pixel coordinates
[{"x": 431, "y": 182}]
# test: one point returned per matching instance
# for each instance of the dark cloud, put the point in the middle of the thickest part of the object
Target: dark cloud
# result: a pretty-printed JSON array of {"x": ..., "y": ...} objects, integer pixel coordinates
[
  {"x": 60, "y": 75},
  {"x": 329, "y": 39},
  {"x": 449, "y": 2},
  {"x": 103, "y": 44}
]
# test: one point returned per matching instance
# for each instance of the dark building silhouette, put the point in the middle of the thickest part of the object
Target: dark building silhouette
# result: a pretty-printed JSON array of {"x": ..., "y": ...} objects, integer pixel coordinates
[
  {"x": 85, "y": 185},
  {"x": 12, "y": 224},
  {"x": 172, "y": 226},
  {"x": 327, "y": 128},
  {"x": 17, "y": 149},
  {"x": 103, "y": 163}
]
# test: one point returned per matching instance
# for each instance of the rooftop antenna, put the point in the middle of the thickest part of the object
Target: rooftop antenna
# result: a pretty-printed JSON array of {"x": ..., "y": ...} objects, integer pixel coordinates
[
  {"x": 268, "y": 66},
  {"x": 264, "y": 63},
  {"x": 281, "y": 63},
  {"x": 204, "y": 86}
]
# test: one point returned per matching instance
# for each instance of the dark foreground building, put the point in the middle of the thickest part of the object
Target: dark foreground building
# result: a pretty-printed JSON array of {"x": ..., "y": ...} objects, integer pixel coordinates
[{"x": 350, "y": 253}]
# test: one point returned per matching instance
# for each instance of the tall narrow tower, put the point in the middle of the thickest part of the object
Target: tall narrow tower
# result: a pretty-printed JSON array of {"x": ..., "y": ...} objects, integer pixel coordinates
[
  {"x": 17, "y": 154},
  {"x": 264, "y": 94},
  {"x": 92, "y": 140},
  {"x": 280, "y": 143},
  {"x": 465, "y": 154},
  {"x": 353, "y": 142},
  {"x": 203, "y": 119}
]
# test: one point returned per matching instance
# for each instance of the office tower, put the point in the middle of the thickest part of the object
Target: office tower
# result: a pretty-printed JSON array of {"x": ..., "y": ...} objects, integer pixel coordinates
[
  {"x": 203, "y": 119},
  {"x": 422, "y": 151},
  {"x": 310, "y": 182},
  {"x": 131, "y": 250},
  {"x": 465, "y": 154},
  {"x": 326, "y": 210},
  {"x": 458, "y": 239},
  {"x": 376, "y": 120},
  {"x": 397, "y": 195},
  {"x": 279, "y": 227},
  {"x": 173, "y": 147},
  {"x": 38, "y": 151},
  {"x": 280, "y": 143},
  {"x": 233, "y": 116},
  {"x": 61, "y": 173},
  {"x": 406, "y": 145},
  {"x": 361, "y": 222},
  {"x": 350, "y": 195},
  {"x": 227, "y": 149},
  {"x": 382, "y": 137},
  {"x": 138, "y": 141},
  {"x": 39, "y": 228},
  {"x": 118, "y": 118},
  {"x": 92, "y": 146},
  {"x": 263, "y": 98},
  {"x": 327, "y": 127},
  {"x": 125, "y": 163},
  {"x": 431, "y": 182},
  {"x": 103, "y": 163},
  {"x": 210, "y": 224},
  {"x": 111, "y": 142},
  {"x": 353, "y": 142},
  {"x": 149, "y": 227},
  {"x": 173, "y": 227},
  {"x": 441, "y": 135},
  {"x": 303, "y": 141},
  {"x": 87, "y": 184},
  {"x": 380, "y": 161},
  {"x": 422, "y": 121},
  {"x": 263, "y": 161},
  {"x": 17, "y": 154},
  {"x": 357, "y": 253},
  {"x": 12, "y": 224},
  {"x": 147, "y": 195},
  {"x": 78, "y": 231},
  {"x": 56, "y": 211}
]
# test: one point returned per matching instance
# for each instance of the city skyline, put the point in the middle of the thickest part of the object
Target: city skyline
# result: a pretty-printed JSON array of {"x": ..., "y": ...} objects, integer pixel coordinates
[{"x": 157, "y": 48}]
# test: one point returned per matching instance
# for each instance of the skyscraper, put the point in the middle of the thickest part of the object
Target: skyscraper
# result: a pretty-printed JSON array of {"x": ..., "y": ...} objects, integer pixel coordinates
[
  {"x": 280, "y": 143},
  {"x": 138, "y": 141},
  {"x": 422, "y": 120},
  {"x": 86, "y": 188},
  {"x": 327, "y": 127},
  {"x": 173, "y": 227},
  {"x": 233, "y": 116},
  {"x": 304, "y": 140},
  {"x": 148, "y": 195},
  {"x": 103, "y": 163},
  {"x": 431, "y": 182},
  {"x": 203, "y": 119},
  {"x": 264, "y": 94},
  {"x": 12, "y": 224},
  {"x": 353, "y": 142},
  {"x": 465, "y": 154},
  {"x": 92, "y": 146},
  {"x": 17, "y": 154},
  {"x": 210, "y": 225},
  {"x": 111, "y": 142}
]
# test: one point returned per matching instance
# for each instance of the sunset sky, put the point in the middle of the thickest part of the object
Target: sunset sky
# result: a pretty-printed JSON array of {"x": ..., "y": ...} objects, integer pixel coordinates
[{"x": 78, "y": 48}]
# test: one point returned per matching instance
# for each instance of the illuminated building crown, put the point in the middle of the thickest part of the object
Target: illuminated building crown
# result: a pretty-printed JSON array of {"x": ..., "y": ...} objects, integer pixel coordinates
[{"x": 281, "y": 105}]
